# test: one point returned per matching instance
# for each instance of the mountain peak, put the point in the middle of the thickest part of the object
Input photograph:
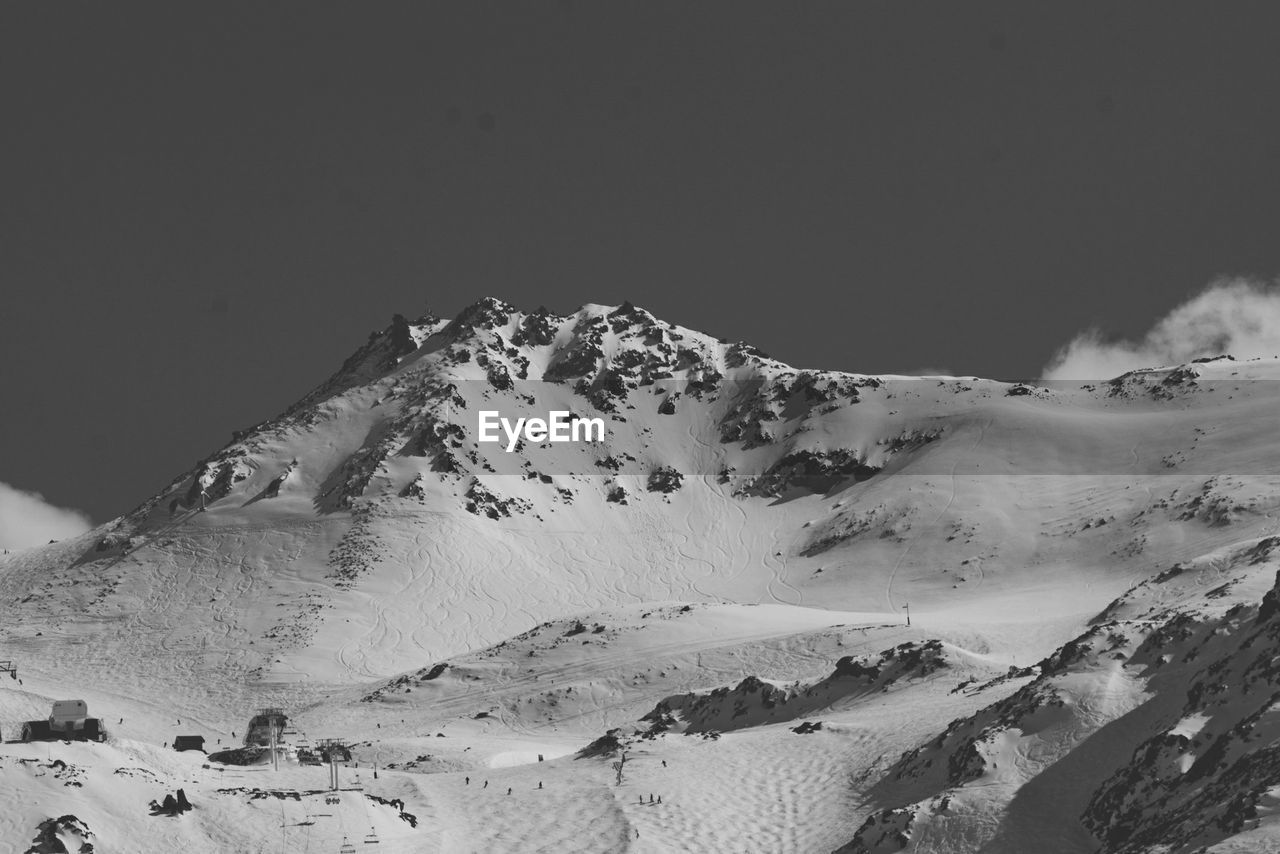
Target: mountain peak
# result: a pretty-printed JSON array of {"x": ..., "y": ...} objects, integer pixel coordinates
[{"x": 729, "y": 503}]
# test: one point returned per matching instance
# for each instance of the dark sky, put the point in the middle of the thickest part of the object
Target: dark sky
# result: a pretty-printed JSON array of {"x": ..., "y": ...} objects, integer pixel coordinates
[{"x": 202, "y": 214}]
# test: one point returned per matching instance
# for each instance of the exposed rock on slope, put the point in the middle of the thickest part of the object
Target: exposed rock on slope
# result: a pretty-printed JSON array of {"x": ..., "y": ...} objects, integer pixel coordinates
[
  {"x": 754, "y": 702},
  {"x": 1156, "y": 725}
]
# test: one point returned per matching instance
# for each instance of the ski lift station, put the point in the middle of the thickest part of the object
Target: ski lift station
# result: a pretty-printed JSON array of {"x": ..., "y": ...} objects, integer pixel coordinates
[{"x": 69, "y": 719}]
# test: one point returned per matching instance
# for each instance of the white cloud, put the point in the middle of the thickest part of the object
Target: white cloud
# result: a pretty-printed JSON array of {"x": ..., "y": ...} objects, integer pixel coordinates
[
  {"x": 26, "y": 519},
  {"x": 1234, "y": 316}
]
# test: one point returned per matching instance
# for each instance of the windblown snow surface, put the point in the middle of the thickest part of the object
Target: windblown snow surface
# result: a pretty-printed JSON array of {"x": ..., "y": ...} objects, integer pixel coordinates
[{"x": 716, "y": 592}]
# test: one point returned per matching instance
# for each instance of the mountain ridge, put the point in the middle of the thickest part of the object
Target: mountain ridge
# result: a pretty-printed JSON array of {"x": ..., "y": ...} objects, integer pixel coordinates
[{"x": 744, "y": 539}]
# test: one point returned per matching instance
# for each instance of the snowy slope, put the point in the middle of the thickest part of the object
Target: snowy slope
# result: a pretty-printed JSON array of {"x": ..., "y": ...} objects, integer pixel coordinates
[{"x": 730, "y": 562}]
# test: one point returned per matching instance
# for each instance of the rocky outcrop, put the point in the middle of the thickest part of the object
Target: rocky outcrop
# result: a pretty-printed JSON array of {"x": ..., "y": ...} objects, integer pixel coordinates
[
  {"x": 664, "y": 479},
  {"x": 63, "y": 835},
  {"x": 811, "y": 471},
  {"x": 754, "y": 701}
]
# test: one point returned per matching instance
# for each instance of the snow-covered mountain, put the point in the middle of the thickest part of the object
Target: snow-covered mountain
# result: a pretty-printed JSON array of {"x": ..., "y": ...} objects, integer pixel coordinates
[{"x": 718, "y": 585}]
